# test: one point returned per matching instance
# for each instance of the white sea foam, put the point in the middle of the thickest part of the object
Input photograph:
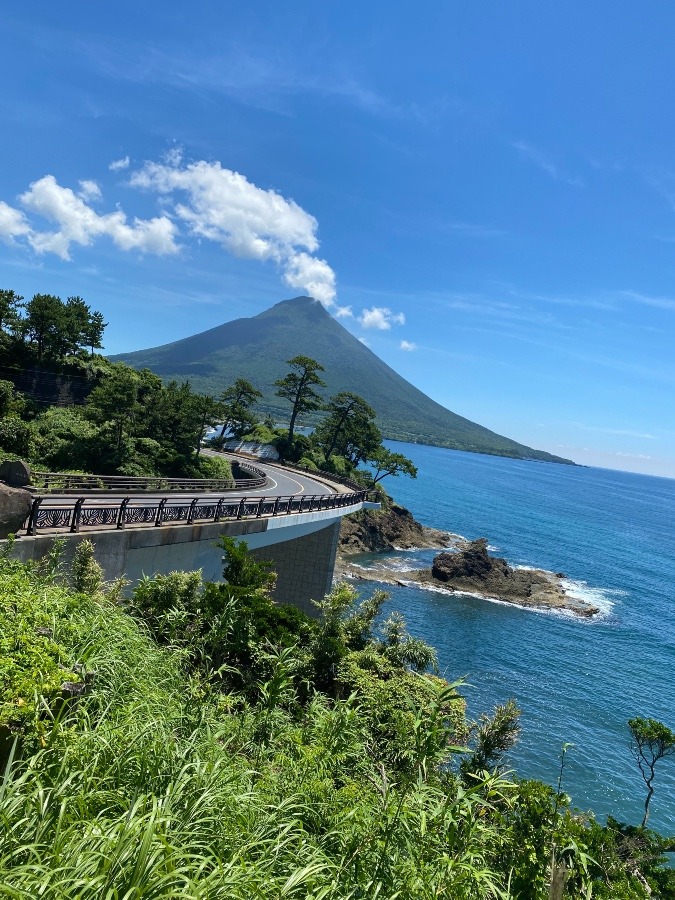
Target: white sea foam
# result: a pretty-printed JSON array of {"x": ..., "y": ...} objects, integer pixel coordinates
[
  {"x": 449, "y": 548},
  {"x": 401, "y": 565},
  {"x": 577, "y": 590},
  {"x": 600, "y": 597}
]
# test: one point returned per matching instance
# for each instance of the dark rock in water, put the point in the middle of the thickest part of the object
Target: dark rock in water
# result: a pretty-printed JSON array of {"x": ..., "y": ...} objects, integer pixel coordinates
[
  {"x": 472, "y": 562},
  {"x": 473, "y": 570},
  {"x": 15, "y": 505},
  {"x": 470, "y": 569}
]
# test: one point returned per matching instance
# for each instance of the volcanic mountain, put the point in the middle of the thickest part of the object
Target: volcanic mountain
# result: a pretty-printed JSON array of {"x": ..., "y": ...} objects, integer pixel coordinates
[{"x": 258, "y": 349}]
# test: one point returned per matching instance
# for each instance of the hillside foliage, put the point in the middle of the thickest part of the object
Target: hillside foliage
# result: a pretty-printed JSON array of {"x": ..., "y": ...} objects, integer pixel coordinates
[
  {"x": 129, "y": 423},
  {"x": 225, "y": 747}
]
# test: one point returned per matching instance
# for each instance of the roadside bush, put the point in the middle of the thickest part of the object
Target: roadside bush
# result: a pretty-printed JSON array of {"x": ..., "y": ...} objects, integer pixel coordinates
[
  {"x": 214, "y": 467},
  {"x": 16, "y": 436}
]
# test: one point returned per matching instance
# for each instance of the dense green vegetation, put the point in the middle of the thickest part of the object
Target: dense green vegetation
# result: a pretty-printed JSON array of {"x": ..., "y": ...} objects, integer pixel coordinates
[
  {"x": 199, "y": 741},
  {"x": 130, "y": 423},
  {"x": 258, "y": 349}
]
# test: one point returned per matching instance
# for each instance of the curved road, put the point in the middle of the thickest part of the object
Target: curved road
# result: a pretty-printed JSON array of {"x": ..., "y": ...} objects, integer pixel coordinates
[
  {"x": 286, "y": 492},
  {"x": 282, "y": 483}
]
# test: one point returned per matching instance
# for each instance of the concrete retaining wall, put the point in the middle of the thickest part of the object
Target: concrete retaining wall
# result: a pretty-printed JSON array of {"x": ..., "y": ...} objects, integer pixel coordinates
[{"x": 302, "y": 548}]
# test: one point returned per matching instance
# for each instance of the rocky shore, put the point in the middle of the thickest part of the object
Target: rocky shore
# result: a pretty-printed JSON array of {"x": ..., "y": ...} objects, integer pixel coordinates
[
  {"x": 463, "y": 567},
  {"x": 391, "y": 528}
]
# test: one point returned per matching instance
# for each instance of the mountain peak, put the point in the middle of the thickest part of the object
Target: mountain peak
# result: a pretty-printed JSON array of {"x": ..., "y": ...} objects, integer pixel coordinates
[{"x": 300, "y": 306}]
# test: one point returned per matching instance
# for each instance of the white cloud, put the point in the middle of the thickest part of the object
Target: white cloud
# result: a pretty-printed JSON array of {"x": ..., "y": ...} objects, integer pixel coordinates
[
  {"x": 380, "y": 317},
  {"x": 658, "y": 302},
  {"x": 407, "y": 345},
  {"x": 13, "y": 223},
  {"x": 214, "y": 203},
  {"x": 344, "y": 312},
  {"x": 119, "y": 164},
  {"x": 223, "y": 206},
  {"x": 621, "y": 431},
  {"x": 312, "y": 275},
  {"x": 89, "y": 190},
  {"x": 364, "y": 342},
  {"x": 78, "y": 223},
  {"x": 543, "y": 162}
]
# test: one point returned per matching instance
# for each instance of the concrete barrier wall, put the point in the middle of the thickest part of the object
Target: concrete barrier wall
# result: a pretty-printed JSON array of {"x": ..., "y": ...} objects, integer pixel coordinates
[{"x": 302, "y": 548}]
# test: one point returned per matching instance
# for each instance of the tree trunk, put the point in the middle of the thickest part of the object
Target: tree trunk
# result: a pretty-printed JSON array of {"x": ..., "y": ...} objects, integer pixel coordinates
[
  {"x": 291, "y": 424},
  {"x": 559, "y": 875},
  {"x": 650, "y": 793},
  {"x": 336, "y": 433}
]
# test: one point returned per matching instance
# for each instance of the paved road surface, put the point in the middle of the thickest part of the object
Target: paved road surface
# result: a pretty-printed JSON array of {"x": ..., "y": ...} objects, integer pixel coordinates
[{"x": 282, "y": 483}]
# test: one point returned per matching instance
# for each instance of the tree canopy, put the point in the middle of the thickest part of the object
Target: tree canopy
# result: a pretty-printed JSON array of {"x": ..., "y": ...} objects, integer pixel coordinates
[
  {"x": 47, "y": 329},
  {"x": 387, "y": 463},
  {"x": 237, "y": 401},
  {"x": 298, "y": 388},
  {"x": 651, "y": 741}
]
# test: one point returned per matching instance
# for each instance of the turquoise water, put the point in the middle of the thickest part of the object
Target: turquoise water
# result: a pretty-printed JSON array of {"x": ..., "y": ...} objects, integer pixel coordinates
[{"x": 612, "y": 534}]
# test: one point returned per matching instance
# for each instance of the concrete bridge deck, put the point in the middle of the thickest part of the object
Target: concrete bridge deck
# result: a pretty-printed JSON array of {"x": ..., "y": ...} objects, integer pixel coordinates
[{"x": 293, "y": 521}]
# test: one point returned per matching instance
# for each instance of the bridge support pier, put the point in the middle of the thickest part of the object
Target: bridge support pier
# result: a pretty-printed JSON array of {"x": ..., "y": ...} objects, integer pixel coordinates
[{"x": 304, "y": 567}]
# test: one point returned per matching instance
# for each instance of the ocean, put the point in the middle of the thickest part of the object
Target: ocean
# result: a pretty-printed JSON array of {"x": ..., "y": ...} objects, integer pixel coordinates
[{"x": 577, "y": 681}]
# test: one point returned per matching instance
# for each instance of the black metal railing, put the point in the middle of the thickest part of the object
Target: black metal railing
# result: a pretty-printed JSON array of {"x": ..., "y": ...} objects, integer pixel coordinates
[
  {"x": 84, "y": 512},
  {"x": 59, "y": 482}
]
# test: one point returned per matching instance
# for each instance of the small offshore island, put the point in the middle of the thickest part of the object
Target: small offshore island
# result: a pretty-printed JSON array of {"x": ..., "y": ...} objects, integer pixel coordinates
[{"x": 462, "y": 566}]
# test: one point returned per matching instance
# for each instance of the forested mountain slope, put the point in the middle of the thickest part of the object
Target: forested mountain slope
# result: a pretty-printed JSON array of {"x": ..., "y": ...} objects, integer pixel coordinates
[{"x": 257, "y": 349}]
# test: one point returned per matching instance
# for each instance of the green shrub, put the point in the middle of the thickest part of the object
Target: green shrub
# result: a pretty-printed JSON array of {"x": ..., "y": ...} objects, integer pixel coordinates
[
  {"x": 86, "y": 574},
  {"x": 16, "y": 436},
  {"x": 221, "y": 627},
  {"x": 214, "y": 467}
]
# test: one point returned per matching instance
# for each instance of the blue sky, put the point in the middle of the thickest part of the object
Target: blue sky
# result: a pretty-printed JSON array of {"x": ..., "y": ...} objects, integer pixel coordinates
[{"x": 484, "y": 193}]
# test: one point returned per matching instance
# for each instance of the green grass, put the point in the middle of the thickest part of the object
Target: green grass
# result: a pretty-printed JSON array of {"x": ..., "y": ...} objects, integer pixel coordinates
[{"x": 163, "y": 783}]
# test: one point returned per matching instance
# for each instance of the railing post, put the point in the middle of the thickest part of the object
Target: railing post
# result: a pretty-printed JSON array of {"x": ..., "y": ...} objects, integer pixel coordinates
[
  {"x": 260, "y": 508},
  {"x": 276, "y": 506},
  {"x": 122, "y": 514},
  {"x": 77, "y": 509},
  {"x": 32, "y": 518},
  {"x": 219, "y": 510},
  {"x": 191, "y": 511},
  {"x": 160, "y": 511},
  {"x": 242, "y": 507}
]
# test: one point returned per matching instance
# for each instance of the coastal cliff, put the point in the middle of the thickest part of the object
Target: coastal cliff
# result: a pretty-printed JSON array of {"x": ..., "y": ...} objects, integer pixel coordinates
[{"x": 391, "y": 528}]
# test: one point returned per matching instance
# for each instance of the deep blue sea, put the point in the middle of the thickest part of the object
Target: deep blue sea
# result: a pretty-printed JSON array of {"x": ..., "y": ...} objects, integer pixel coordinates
[{"x": 576, "y": 681}]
